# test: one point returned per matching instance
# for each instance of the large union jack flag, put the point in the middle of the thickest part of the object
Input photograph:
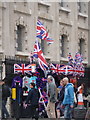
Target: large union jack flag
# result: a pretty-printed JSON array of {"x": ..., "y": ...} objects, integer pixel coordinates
[
  {"x": 42, "y": 33},
  {"x": 22, "y": 68},
  {"x": 39, "y": 54}
]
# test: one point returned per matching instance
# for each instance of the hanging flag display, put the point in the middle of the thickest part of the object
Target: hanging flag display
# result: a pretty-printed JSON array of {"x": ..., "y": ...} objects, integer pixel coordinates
[
  {"x": 23, "y": 68},
  {"x": 76, "y": 63},
  {"x": 61, "y": 69},
  {"x": 42, "y": 33}
]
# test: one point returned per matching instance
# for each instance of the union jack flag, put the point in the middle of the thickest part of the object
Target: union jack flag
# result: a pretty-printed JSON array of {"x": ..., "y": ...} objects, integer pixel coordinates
[
  {"x": 22, "y": 68},
  {"x": 42, "y": 33},
  {"x": 70, "y": 60},
  {"x": 78, "y": 65},
  {"x": 66, "y": 69},
  {"x": 78, "y": 58},
  {"x": 39, "y": 54},
  {"x": 53, "y": 68}
]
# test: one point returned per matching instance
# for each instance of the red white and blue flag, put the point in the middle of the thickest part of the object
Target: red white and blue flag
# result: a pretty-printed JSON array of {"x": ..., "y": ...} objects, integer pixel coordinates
[
  {"x": 66, "y": 69},
  {"x": 70, "y": 60},
  {"x": 62, "y": 69},
  {"x": 22, "y": 68},
  {"x": 55, "y": 68},
  {"x": 42, "y": 33},
  {"x": 39, "y": 54},
  {"x": 78, "y": 65}
]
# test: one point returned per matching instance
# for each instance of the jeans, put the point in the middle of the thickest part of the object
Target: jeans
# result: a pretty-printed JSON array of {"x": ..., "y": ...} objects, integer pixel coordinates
[
  {"x": 67, "y": 112},
  {"x": 5, "y": 113}
]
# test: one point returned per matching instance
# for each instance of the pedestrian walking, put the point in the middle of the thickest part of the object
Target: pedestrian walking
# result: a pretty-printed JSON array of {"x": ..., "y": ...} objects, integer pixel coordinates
[
  {"x": 60, "y": 99},
  {"x": 52, "y": 97},
  {"x": 68, "y": 101},
  {"x": 5, "y": 94},
  {"x": 33, "y": 99}
]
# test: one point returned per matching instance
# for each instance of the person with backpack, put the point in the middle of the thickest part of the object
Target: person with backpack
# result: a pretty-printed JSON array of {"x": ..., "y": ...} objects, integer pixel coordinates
[{"x": 5, "y": 95}]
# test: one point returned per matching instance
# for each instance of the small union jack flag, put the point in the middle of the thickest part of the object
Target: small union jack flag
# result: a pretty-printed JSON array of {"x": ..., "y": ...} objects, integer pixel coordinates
[
  {"x": 42, "y": 33},
  {"x": 70, "y": 60},
  {"x": 22, "y": 68},
  {"x": 78, "y": 65},
  {"x": 66, "y": 69}
]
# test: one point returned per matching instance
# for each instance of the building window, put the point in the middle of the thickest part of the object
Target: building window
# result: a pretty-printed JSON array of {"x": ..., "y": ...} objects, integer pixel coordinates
[
  {"x": 81, "y": 46},
  {"x": 62, "y": 3},
  {"x": 82, "y": 7},
  {"x": 20, "y": 37},
  {"x": 79, "y": 7},
  {"x": 64, "y": 46},
  {"x": 43, "y": 46}
]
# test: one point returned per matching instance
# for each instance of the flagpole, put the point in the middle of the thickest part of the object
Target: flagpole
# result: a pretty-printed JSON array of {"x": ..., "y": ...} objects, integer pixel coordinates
[{"x": 42, "y": 99}]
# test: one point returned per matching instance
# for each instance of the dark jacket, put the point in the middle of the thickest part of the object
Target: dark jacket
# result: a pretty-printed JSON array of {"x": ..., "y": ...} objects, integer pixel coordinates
[
  {"x": 61, "y": 94},
  {"x": 5, "y": 92},
  {"x": 33, "y": 97}
]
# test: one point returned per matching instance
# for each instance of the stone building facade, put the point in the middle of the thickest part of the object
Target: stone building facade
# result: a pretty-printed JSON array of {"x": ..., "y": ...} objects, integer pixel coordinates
[{"x": 66, "y": 23}]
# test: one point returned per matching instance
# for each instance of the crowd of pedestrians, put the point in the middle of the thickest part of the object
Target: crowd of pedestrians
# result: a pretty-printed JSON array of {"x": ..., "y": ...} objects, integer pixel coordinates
[{"x": 61, "y": 99}]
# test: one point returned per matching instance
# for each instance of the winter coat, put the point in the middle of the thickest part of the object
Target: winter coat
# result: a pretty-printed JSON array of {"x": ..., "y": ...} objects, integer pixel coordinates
[
  {"x": 5, "y": 92},
  {"x": 68, "y": 95}
]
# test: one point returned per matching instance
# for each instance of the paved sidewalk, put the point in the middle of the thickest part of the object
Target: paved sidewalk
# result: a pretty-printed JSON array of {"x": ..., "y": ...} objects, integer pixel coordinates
[{"x": 38, "y": 119}]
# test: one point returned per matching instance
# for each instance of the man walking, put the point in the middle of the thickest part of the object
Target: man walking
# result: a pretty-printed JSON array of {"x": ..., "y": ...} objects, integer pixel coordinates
[
  {"x": 52, "y": 97},
  {"x": 5, "y": 95},
  {"x": 68, "y": 101},
  {"x": 33, "y": 97}
]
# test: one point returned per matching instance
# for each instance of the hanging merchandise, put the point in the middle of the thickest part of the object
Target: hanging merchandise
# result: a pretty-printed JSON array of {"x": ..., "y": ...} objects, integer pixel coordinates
[
  {"x": 17, "y": 83},
  {"x": 14, "y": 93},
  {"x": 33, "y": 68},
  {"x": 76, "y": 63}
]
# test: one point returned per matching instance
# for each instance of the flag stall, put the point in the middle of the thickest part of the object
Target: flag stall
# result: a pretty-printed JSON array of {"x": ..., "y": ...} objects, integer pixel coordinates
[{"x": 74, "y": 68}]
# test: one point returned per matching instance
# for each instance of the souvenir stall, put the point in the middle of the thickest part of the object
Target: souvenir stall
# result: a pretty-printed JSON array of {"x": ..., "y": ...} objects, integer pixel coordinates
[
  {"x": 38, "y": 73},
  {"x": 32, "y": 73},
  {"x": 21, "y": 86}
]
